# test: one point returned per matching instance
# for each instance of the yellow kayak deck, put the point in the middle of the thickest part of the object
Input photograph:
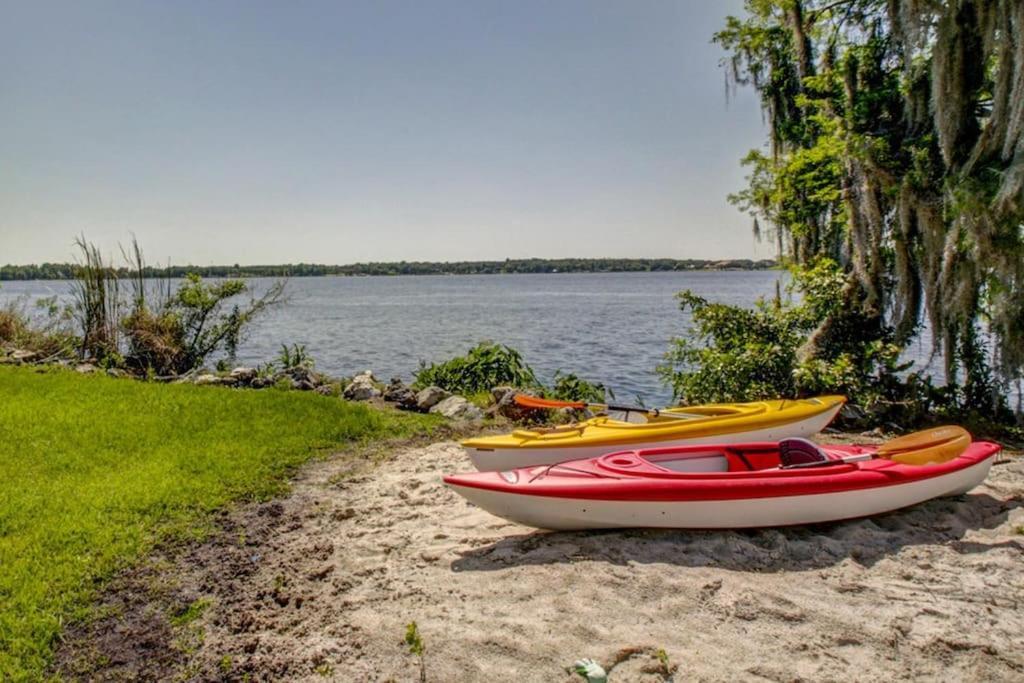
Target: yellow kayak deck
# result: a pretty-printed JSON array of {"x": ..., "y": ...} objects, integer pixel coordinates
[{"x": 699, "y": 421}]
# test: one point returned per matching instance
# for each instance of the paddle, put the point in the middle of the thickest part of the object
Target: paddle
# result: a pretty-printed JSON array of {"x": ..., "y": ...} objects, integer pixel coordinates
[
  {"x": 926, "y": 447},
  {"x": 939, "y": 444},
  {"x": 537, "y": 403}
]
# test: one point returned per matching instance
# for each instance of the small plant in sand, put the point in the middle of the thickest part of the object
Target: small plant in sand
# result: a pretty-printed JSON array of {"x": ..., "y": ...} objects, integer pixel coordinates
[{"x": 414, "y": 642}]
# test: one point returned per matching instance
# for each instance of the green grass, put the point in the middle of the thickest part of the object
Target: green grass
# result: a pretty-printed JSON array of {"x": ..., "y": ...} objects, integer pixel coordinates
[{"x": 94, "y": 471}]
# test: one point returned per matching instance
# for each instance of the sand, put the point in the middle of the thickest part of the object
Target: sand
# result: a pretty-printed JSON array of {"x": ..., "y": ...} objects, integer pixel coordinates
[{"x": 322, "y": 584}]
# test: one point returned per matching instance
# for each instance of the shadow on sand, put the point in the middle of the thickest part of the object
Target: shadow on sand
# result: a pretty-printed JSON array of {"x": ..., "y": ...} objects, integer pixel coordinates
[{"x": 944, "y": 521}]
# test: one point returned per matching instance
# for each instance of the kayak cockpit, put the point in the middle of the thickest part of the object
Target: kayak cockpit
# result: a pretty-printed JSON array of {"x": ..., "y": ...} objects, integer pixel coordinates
[{"x": 738, "y": 458}]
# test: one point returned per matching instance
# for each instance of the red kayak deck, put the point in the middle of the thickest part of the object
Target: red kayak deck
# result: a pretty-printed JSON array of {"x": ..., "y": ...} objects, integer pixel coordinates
[{"x": 748, "y": 471}]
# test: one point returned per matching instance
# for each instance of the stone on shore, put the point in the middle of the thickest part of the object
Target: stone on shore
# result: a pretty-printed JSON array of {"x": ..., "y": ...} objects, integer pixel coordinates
[
  {"x": 505, "y": 405},
  {"x": 396, "y": 392},
  {"x": 361, "y": 388},
  {"x": 23, "y": 356},
  {"x": 458, "y": 408},
  {"x": 430, "y": 397},
  {"x": 85, "y": 368},
  {"x": 304, "y": 378},
  {"x": 243, "y": 375}
]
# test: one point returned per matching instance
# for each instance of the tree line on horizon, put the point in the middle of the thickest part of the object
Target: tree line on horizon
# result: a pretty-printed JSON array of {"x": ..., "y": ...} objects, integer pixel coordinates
[{"x": 66, "y": 271}]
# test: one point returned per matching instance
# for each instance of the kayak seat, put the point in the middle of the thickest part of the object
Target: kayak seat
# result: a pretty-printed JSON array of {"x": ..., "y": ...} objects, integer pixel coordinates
[{"x": 797, "y": 452}]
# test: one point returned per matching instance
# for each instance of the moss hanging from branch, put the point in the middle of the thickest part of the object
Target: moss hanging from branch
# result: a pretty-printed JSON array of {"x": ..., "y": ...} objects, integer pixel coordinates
[{"x": 897, "y": 136}]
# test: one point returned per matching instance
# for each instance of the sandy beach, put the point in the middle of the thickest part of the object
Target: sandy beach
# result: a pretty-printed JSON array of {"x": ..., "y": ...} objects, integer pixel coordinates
[{"x": 321, "y": 585}]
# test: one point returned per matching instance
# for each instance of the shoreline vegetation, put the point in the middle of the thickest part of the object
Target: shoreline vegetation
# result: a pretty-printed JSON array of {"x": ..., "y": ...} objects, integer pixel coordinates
[
  {"x": 188, "y": 329},
  {"x": 66, "y": 271}
]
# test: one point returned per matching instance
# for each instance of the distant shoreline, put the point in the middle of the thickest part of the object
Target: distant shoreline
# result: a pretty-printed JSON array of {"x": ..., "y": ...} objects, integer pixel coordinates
[{"x": 66, "y": 271}]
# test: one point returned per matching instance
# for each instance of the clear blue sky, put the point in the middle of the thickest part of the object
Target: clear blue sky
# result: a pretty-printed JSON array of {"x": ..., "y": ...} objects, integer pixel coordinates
[{"x": 334, "y": 132}]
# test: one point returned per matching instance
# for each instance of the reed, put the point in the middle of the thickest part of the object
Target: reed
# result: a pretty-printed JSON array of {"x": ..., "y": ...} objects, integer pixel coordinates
[{"x": 97, "y": 303}]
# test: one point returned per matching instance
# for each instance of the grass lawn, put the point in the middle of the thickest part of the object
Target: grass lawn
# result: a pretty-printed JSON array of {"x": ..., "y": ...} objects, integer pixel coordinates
[{"x": 94, "y": 471}]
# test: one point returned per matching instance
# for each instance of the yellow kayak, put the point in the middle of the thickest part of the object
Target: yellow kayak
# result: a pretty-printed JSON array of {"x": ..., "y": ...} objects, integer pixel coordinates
[{"x": 717, "y": 423}]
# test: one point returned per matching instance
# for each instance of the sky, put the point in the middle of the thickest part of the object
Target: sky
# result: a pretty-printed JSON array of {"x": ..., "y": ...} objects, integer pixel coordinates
[{"x": 336, "y": 132}]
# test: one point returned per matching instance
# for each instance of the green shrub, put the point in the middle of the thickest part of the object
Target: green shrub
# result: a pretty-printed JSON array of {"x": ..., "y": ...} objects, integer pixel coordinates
[
  {"x": 486, "y": 365},
  {"x": 794, "y": 348},
  {"x": 570, "y": 387},
  {"x": 734, "y": 353}
]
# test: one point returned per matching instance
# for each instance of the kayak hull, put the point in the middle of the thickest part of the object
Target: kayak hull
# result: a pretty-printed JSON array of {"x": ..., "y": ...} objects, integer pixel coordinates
[
  {"x": 682, "y": 504},
  {"x": 488, "y": 457}
]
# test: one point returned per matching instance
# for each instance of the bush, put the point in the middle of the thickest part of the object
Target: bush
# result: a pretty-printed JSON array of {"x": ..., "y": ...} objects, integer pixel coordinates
[
  {"x": 196, "y": 322},
  {"x": 51, "y": 338},
  {"x": 569, "y": 387},
  {"x": 734, "y": 353},
  {"x": 486, "y": 365},
  {"x": 786, "y": 349}
]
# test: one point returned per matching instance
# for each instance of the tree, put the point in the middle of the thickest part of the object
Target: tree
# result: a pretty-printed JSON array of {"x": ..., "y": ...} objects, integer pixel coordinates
[{"x": 897, "y": 149}]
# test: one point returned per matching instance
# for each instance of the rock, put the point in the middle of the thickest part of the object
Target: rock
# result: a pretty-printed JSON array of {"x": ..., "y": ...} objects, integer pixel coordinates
[
  {"x": 430, "y": 397},
  {"x": 502, "y": 394},
  {"x": 361, "y": 388},
  {"x": 243, "y": 375},
  {"x": 394, "y": 387},
  {"x": 206, "y": 379},
  {"x": 115, "y": 372},
  {"x": 85, "y": 368},
  {"x": 457, "y": 408},
  {"x": 325, "y": 390},
  {"x": 506, "y": 406},
  {"x": 397, "y": 392},
  {"x": 23, "y": 356},
  {"x": 852, "y": 413},
  {"x": 304, "y": 378},
  {"x": 569, "y": 415}
]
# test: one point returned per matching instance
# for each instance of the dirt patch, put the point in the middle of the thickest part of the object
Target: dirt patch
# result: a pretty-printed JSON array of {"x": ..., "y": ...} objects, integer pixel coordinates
[{"x": 322, "y": 584}]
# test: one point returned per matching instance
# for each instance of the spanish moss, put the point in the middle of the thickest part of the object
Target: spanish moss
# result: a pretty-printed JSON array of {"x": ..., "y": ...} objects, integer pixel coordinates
[{"x": 897, "y": 149}]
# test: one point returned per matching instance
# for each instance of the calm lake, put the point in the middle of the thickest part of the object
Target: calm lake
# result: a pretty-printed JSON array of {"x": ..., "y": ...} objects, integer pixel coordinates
[{"x": 607, "y": 327}]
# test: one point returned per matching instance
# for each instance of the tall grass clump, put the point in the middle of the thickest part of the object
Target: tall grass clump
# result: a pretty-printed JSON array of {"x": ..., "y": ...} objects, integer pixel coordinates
[{"x": 97, "y": 303}]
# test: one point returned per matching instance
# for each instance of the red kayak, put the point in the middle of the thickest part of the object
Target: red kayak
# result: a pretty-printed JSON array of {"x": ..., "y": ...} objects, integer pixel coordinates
[{"x": 733, "y": 486}]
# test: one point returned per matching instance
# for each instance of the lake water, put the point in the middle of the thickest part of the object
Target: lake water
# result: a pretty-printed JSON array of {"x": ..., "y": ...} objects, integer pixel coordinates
[
  {"x": 612, "y": 328},
  {"x": 607, "y": 327}
]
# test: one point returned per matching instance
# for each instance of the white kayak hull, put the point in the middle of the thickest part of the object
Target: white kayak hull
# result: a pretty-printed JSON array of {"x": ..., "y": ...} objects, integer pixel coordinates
[
  {"x": 500, "y": 459},
  {"x": 558, "y": 514}
]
